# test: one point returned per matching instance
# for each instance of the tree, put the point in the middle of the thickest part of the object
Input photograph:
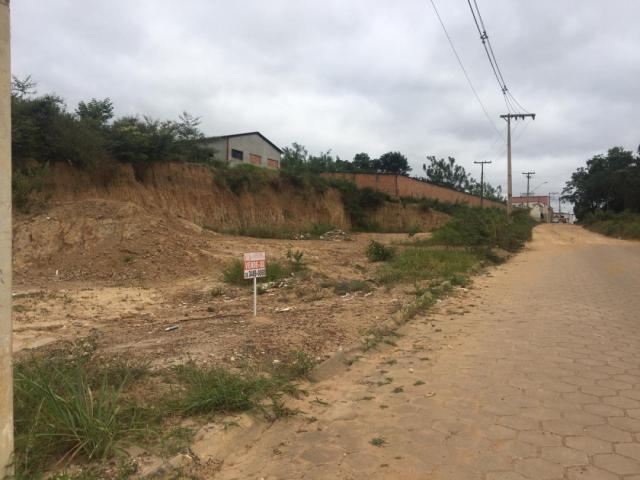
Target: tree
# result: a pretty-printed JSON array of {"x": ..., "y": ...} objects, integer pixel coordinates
[
  {"x": 294, "y": 157},
  {"x": 609, "y": 182},
  {"x": 362, "y": 161},
  {"x": 95, "y": 111},
  {"x": 447, "y": 173},
  {"x": 22, "y": 88},
  {"x": 394, "y": 162}
]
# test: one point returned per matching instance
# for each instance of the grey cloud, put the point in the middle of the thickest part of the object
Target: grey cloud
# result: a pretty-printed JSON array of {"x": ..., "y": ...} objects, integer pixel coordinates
[{"x": 363, "y": 75}]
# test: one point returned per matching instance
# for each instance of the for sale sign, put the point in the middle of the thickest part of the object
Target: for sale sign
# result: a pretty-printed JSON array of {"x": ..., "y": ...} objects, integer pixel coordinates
[{"x": 255, "y": 265}]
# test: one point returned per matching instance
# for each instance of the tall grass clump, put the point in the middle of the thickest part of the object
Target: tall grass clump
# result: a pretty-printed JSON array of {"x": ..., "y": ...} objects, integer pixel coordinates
[
  {"x": 65, "y": 409},
  {"x": 209, "y": 390}
]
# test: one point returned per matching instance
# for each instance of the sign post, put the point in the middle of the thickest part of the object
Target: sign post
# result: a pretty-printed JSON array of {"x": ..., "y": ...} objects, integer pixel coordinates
[{"x": 255, "y": 266}]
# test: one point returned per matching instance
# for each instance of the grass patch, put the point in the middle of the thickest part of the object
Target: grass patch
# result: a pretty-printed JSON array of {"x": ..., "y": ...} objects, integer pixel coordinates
[
  {"x": 234, "y": 273},
  {"x": 619, "y": 225},
  {"x": 298, "y": 365},
  {"x": 66, "y": 408},
  {"x": 349, "y": 286},
  {"x": 415, "y": 263},
  {"x": 208, "y": 390},
  {"x": 377, "y": 252},
  {"x": 378, "y": 335},
  {"x": 214, "y": 390}
]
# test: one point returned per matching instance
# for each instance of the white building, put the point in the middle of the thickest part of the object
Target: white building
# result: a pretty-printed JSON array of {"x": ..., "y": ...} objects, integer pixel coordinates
[
  {"x": 251, "y": 147},
  {"x": 539, "y": 207}
]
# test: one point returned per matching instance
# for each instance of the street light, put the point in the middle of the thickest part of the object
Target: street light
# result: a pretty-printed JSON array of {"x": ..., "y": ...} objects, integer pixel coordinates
[{"x": 535, "y": 188}]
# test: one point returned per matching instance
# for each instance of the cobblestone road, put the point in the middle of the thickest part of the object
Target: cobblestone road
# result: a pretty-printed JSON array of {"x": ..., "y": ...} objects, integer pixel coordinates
[{"x": 534, "y": 373}]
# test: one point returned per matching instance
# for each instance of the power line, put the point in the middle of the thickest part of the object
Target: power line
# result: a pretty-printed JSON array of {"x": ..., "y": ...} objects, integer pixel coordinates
[
  {"x": 464, "y": 70},
  {"x": 510, "y": 101}
]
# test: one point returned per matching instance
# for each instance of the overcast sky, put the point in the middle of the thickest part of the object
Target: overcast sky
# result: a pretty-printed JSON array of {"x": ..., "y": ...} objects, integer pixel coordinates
[{"x": 354, "y": 75}]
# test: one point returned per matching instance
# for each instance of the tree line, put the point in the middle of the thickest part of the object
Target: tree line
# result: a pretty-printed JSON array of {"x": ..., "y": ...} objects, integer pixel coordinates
[
  {"x": 608, "y": 183},
  {"x": 45, "y": 130},
  {"x": 446, "y": 173}
]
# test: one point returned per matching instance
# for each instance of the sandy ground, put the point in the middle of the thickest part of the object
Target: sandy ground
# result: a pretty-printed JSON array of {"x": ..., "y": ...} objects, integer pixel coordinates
[
  {"x": 534, "y": 373},
  {"x": 127, "y": 289}
]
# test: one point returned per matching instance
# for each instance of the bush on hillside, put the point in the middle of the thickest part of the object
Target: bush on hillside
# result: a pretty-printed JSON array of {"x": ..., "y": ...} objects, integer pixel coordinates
[{"x": 377, "y": 252}]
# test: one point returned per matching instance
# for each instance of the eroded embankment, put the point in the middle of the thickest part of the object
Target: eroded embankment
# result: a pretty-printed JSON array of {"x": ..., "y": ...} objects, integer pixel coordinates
[{"x": 159, "y": 223}]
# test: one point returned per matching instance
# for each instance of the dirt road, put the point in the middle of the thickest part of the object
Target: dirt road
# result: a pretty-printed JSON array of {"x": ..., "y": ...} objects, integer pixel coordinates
[{"x": 534, "y": 373}]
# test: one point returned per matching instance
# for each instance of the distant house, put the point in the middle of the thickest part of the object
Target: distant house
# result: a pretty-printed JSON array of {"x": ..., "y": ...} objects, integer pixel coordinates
[
  {"x": 251, "y": 147},
  {"x": 539, "y": 206}
]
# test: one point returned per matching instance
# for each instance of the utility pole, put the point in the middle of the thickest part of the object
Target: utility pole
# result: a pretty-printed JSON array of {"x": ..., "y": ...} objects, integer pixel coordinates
[
  {"x": 508, "y": 117},
  {"x": 528, "y": 175},
  {"x": 482, "y": 164},
  {"x": 6, "y": 374}
]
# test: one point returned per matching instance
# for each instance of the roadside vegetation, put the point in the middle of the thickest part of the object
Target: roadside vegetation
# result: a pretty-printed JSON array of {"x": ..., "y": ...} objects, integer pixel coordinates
[
  {"x": 620, "y": 225},
  {"x": 74, "y": 408},
  {"x": 605, "y": 193}
]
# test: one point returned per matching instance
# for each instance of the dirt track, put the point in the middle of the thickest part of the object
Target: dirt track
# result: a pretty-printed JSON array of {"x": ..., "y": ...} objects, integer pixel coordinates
[{"x": 539, "y": 378}]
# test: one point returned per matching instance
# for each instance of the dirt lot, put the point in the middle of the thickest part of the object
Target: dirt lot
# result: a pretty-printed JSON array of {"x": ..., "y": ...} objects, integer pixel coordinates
[{"x": 112, "y": 270}]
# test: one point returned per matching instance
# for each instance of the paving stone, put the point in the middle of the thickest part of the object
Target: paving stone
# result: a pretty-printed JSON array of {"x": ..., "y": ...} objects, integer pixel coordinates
[
  {"x": 564, "y": 456},
  {"x": 540, "y": 379},
  {"x": 616, "y": 463},
  {"x": 589, "y": 445},
  {"x": 631, "y": 450},
  {"x": 538, "y": 469},
  {"x": 589, "y": 472}
]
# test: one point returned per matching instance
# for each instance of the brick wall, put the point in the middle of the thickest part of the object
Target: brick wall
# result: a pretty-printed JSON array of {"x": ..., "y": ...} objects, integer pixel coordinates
[{"x": 400, "y": 186}]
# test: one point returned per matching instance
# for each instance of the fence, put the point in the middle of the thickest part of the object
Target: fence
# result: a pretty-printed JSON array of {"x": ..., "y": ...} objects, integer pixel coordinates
[{"x": 401, "y": 186}]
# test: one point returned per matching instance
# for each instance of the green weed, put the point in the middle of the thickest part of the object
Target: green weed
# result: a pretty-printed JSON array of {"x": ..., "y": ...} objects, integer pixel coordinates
[
  {"x": 350, "y": 286},
  {"x": 426, "y": 264},
  {"x": 377, "y": 441},
  {"x": 377, "y": 252},
  {"x": 65, "y": 407}
]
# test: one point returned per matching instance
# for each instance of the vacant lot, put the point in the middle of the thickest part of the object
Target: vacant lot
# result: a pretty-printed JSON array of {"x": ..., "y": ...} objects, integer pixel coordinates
[{"x": 123, "y": 277}]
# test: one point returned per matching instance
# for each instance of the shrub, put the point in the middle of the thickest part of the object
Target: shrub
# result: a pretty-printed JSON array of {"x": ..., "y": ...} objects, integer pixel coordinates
[
  {"x": 245, "y": 178},
  {"x": 476, "y": 227},
  {"x": 351, "y": 286},
  {"x": 26, "y": 182},
  {"x": 377, "y": 252},
  {"x": 358, "y": 203}
]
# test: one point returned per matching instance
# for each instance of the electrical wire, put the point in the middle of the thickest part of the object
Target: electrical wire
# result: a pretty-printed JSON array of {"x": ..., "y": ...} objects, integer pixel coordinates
[
  {"x": 513, "y": 106},
  {"x": 464, "y": 70}
]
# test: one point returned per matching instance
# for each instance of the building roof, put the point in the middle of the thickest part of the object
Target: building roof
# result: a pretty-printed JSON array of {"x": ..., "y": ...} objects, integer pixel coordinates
[
  {"x": 218, "y": 137},
  {"x": 544, "y": 199}
]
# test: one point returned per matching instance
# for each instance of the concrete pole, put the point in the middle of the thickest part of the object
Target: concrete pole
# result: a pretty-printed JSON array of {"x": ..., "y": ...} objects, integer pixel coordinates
[
  {"x": 482, "y": 186},
  {"x": 6, "y": 374},
  {"x": 509, "y": 188}
]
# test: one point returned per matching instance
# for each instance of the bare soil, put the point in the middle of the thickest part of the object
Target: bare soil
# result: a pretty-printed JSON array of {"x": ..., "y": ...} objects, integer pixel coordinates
[{"x": 114, "y": 270}]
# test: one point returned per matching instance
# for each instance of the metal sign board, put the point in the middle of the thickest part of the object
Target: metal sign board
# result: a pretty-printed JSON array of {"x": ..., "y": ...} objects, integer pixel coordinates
[{"x": 255, "y": 265}]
